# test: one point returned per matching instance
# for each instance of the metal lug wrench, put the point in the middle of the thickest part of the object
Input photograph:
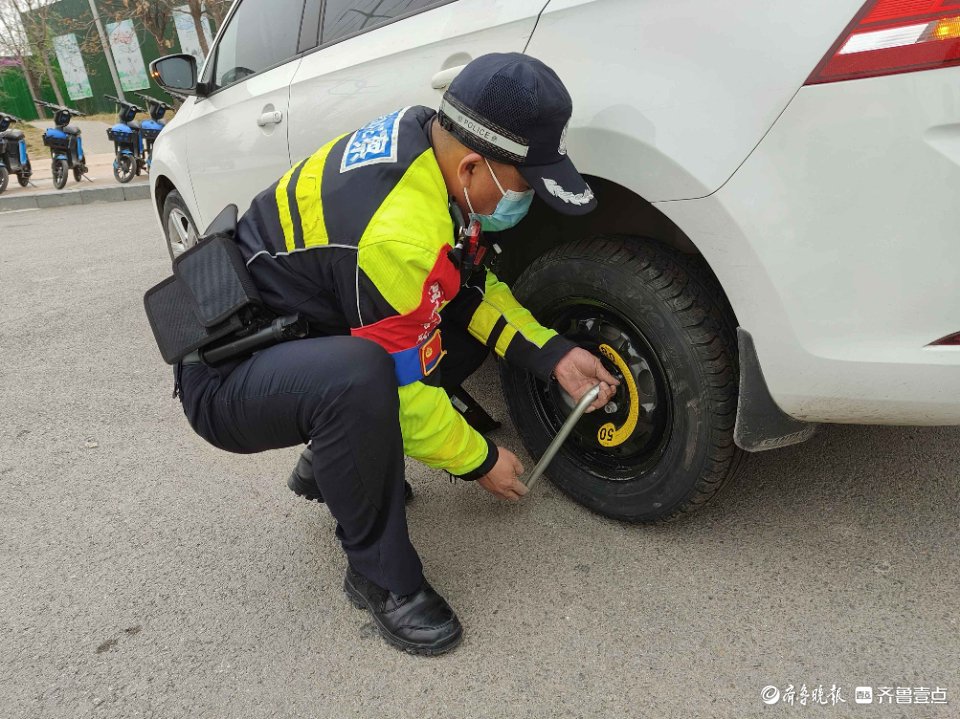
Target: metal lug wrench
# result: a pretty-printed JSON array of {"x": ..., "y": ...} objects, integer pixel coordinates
[{"x": 562, "y": 435}]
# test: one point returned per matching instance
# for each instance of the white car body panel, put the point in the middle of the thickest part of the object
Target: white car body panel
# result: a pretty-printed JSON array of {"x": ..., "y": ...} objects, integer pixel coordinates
[
  {"x": 231, "y": 158},
  {"x": 681, "y": 91},
  {"x": 825, "y": 211},
  {"x": 345, "y": 85},
  {"x": 170, "y": 157},
  {"x": 837, "y": 244}
]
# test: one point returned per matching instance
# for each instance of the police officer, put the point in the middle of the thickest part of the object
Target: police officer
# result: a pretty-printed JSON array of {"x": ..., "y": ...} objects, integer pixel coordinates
[{"x": 357, "y": 238}]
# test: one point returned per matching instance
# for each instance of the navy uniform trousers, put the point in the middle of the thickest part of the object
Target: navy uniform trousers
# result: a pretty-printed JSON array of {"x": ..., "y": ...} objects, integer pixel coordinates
[{"x": 338, "y": 393}]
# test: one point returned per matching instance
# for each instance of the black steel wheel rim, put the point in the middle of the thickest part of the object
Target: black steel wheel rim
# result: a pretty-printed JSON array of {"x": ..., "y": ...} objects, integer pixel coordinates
[{"x": 592, "y": 324}]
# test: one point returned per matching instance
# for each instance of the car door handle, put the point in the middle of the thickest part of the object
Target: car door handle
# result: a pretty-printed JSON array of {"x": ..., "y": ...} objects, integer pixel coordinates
[
  {"x": 270, "y": 118},
  {"x": 443, "y": 78}
]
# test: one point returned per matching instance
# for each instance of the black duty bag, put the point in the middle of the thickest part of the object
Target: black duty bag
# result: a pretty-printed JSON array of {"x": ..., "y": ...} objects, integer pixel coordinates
[{"x": 209, "y": 297}]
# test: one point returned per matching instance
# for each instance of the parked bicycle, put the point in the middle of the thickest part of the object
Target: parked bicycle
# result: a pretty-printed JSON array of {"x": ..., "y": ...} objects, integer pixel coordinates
[
  {"x": 13, "y": 153},
  {"x": 127, "y": 140},
  {"x": 66, "y": 146},
  {"x": 150, "y": 129}
]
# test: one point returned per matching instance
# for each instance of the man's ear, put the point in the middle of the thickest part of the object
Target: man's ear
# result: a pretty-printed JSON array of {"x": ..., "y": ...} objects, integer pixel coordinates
[{"x": 468, "y": 167}]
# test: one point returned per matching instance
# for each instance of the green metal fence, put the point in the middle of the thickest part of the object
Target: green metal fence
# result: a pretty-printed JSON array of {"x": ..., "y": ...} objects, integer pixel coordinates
[{"x": 15, "y": 95}]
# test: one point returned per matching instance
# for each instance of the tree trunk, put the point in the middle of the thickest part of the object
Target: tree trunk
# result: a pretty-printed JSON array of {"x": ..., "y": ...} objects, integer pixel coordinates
[
  {"x": 217, "y": 9},
  {"x": 41, "y": 112},
  {"x": 196, "y": 10},
  {"x": 51, "y": 76}
]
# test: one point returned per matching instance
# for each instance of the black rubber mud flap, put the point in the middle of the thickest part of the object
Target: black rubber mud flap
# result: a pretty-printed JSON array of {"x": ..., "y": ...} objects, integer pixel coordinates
[{"x": 761, "y": 424}]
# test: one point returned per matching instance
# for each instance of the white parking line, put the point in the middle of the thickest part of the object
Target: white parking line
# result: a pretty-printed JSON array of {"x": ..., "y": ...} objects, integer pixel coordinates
[{"x": 26, "y": 209}]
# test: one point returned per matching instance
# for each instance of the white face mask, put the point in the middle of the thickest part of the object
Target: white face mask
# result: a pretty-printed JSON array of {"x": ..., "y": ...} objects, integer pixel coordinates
[{"x": 512, "y": 208}]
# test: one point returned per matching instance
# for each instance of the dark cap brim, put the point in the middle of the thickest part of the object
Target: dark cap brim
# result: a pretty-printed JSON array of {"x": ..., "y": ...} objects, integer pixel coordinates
[{"x": 560, "y": 186}]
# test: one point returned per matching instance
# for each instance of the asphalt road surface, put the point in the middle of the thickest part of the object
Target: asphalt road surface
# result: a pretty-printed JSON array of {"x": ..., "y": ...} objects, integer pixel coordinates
[{"x": 147, "y": 574}]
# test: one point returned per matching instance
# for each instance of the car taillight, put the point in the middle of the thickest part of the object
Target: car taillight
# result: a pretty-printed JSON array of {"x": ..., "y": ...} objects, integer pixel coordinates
[
  {"x": 948, "y": 341},
  {"x": 893, "y": 36}
]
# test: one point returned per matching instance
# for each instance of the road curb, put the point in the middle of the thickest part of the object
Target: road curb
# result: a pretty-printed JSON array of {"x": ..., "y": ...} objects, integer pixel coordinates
[{"x": 83, "y": 196}]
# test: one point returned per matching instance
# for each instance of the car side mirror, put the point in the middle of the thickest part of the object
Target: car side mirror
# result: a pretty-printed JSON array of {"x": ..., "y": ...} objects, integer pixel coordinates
[{"x": 177, "y": 73}]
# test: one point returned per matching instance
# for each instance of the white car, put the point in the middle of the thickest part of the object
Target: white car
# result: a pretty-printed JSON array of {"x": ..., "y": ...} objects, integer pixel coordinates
[{"x": 776, "y": 243}]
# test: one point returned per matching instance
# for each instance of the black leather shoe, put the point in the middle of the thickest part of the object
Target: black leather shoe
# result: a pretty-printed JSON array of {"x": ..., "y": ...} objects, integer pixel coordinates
[
  {"x": 302, "y": 483},
  {"x": 418, "y": 623}
]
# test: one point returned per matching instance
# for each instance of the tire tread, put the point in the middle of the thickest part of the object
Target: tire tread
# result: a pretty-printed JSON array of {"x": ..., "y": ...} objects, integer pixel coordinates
[{"x": 687, "y": 286}]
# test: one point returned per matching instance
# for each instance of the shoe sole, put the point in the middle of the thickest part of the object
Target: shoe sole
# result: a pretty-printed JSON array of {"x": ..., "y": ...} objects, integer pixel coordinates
[
  {"x": 296, "y": 485},
  {"x": 360, "y": 602}
]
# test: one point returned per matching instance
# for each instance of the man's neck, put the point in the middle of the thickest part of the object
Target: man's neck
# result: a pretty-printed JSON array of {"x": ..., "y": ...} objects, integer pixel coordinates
[{"x": 447, "y": 170}]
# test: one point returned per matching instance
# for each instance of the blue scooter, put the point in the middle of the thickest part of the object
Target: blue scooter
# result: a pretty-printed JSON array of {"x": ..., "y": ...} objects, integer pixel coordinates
[
  {"x": 127, "y": 141},
  {"x": 13, "y": 153},
  {"x": 151, "y": 129},
  {"x": 66, "y": 147}
]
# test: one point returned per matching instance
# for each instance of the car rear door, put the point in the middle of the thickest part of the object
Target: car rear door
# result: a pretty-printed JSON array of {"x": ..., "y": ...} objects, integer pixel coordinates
[
  {"x": 375, "y": 56},
  {"x": 238, "y": 133}
]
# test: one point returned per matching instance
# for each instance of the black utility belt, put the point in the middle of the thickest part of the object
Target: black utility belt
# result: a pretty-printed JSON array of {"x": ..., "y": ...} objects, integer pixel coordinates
[
  {"x": 281, "y": 329},
  {"x": 209, "y": 310}
]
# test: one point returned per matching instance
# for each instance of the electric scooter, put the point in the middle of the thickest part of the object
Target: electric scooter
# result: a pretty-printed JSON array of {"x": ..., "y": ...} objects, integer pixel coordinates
[
  {"x": 151, "y": 129},
  {"x": 127, "y": 141},
  {"x": 13, "y": 153},
  {"x": 66, "y": 147}
]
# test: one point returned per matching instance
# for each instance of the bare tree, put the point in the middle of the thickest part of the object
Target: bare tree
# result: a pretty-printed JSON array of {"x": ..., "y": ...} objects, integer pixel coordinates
[
  {"x": 14, "y": 39},
  {"x": 154, "y": 16},
  {"x": 196, "y": 12},
  {"x": 38, "y": 18},
  {"x": 217, "y": 10}
]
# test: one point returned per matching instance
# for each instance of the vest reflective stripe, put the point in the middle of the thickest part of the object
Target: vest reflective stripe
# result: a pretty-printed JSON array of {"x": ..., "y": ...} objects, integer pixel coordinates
[
  {"x": 506, "y": 337},
  {"x": 308, "y": 197},
  {"x": 299, "y": 203},
  {"x": 483, "y": 321},
  {"x": 283, "y": 207}
]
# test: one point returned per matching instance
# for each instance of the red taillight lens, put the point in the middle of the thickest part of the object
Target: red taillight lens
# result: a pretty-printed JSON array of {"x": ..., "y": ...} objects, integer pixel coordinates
[
  {"x": 892, "y": 36},
  {"x": 948, "y": 341}
]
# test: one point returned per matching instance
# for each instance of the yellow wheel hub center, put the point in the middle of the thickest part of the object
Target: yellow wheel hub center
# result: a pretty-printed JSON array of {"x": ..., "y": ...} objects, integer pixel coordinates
[{"x": 609, "y": 435}]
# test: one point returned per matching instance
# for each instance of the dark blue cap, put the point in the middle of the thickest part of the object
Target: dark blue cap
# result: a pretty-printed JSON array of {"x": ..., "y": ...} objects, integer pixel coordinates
[{"x": 512, "y": 108}]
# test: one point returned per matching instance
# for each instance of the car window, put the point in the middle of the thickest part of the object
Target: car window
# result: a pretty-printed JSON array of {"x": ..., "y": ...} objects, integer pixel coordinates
[
  {"x": 342, "y": 18},
  {"x": 261, "y": 34},
  {"x": 310, "y": 29}
]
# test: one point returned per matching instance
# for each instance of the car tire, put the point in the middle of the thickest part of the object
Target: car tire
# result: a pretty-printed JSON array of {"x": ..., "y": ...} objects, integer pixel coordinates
[
  {"x": 178, "y": 225},
  {"x": 661, "y": 325}
]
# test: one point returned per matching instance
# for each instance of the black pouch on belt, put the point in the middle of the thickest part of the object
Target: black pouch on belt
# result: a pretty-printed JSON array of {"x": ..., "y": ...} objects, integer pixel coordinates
[{"x": 210, "y": 296}]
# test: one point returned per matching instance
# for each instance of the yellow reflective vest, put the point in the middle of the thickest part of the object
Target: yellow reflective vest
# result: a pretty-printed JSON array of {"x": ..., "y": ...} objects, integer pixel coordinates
[{"x": 355, "y": 238}]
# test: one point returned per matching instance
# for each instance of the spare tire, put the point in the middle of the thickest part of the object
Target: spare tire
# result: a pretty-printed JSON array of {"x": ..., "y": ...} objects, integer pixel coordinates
[{"x": 659, "y": 322}]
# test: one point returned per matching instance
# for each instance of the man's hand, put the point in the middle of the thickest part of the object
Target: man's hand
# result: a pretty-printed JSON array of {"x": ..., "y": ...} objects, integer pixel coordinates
[
  {"x": 501, "y": 481},
  {"x": 579, "y": 371}
]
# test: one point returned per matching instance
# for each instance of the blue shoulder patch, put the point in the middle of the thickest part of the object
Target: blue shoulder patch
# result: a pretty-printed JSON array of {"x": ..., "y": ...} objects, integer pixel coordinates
[{"x": 373, "y": 143}]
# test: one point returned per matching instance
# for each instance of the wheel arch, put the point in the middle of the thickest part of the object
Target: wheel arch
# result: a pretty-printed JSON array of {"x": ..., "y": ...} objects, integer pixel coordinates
[
  {"x": 162, "y": 187},
  {"x": 620, "y": 211}
]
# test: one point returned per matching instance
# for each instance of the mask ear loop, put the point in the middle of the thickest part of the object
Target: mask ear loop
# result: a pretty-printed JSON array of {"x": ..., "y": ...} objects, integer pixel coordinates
[
  {"x": 495, "y": 178},
  {"x": 510, "y": 194},
  {"x": 466, "y": 196}
]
